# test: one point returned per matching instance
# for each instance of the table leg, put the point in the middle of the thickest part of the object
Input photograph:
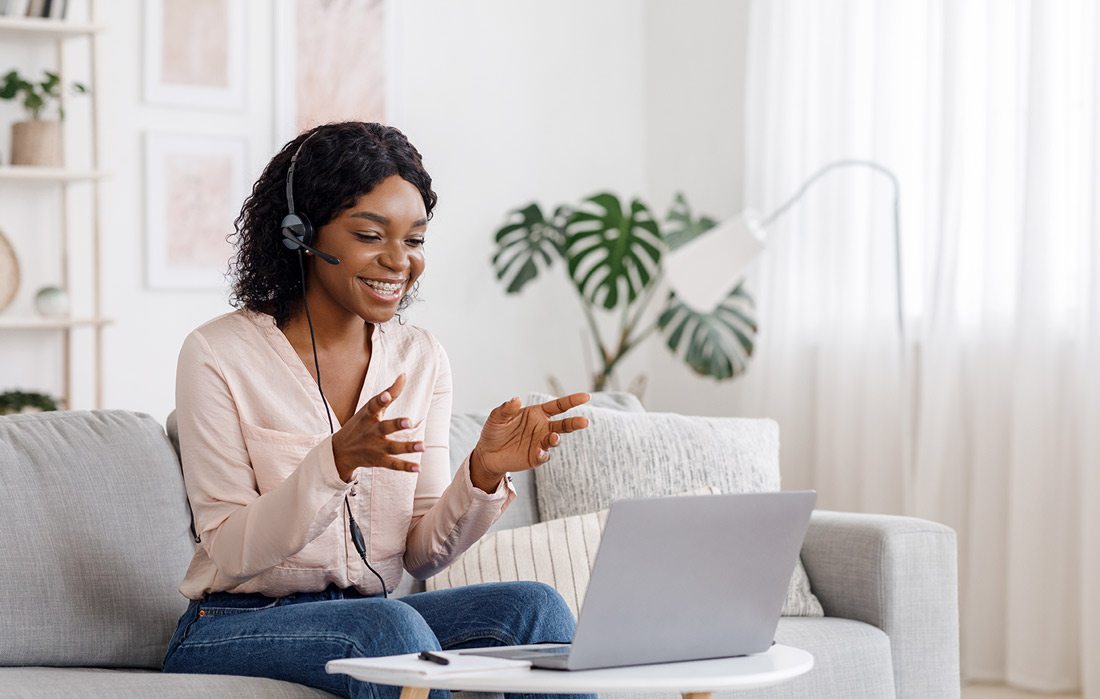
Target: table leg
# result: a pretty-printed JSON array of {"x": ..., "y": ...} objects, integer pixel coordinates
[
  {"x": 697, "y": 695},
  {"x": 414, "y": 692}
]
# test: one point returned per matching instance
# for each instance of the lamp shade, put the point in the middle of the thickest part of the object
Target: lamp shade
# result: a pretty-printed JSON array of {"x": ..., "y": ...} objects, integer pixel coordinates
[{"x": 705, "y": 269}]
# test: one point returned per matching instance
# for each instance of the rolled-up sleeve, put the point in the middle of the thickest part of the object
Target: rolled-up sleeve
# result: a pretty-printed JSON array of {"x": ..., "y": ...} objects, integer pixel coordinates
[
  {"x": 449, "y": 514},
  {"x": 243, "y": 532}
]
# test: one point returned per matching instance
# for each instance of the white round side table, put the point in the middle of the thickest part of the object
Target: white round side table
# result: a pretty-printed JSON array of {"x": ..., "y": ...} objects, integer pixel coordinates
[{"x": 695, "y": 679}]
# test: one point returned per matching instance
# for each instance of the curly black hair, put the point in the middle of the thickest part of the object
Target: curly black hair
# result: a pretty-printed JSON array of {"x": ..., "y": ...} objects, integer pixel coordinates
[{"x": 341, "y": 163}]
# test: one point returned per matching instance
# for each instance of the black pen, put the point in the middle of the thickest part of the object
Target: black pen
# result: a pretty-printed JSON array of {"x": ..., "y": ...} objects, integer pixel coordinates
[{"x": 433, "y": 658}]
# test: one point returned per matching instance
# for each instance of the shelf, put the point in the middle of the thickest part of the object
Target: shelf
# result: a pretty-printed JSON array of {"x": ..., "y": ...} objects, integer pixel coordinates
[
  {"x": 36, "y": 28},
  {"x": 37, "y": 323},
  {"x": 32, "y": 173}
]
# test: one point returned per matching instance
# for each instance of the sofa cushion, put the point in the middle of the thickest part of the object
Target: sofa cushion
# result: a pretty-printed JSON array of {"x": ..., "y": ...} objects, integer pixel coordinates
[
  {"x": 69, "y": 683},
  {"x": 96, "y": 539},
  {"x": 624, "y": 455}
]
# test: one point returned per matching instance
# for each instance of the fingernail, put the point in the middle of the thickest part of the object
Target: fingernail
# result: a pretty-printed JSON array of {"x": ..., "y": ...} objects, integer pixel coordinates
[
  {"x": 419, "y": 446},
  {"x": 414, "y": 469},
  {"x": 385, "y": 397},
  {"x": 404, "y": 423},
  {"x": 543, "y": 455}
]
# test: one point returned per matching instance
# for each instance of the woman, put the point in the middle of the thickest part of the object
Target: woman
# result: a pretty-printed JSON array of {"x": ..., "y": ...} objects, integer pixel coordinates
[{"x": 311, "y": 492}]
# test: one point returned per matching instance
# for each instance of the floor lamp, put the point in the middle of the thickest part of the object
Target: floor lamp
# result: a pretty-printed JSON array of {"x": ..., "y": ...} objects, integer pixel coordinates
[{"x": 704, "y": 270}]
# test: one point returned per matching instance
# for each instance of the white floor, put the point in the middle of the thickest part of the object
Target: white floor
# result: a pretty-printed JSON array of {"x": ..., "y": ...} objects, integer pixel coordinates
[{"x": 986, "y": 691}]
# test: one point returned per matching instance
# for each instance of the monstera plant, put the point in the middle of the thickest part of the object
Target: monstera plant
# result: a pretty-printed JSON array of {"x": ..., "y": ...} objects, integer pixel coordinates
[{"x": 612, "y": 254}]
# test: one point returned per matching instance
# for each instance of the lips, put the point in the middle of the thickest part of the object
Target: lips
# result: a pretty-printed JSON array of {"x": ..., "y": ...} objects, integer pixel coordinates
[{"x": 384, "y": 289}]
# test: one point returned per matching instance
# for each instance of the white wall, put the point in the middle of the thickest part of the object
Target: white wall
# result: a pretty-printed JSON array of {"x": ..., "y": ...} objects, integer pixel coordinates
[
  {"x": 512, "y": 102},
  {"x": 509, "y": 102},
  {"x": 695, "y": 85}
]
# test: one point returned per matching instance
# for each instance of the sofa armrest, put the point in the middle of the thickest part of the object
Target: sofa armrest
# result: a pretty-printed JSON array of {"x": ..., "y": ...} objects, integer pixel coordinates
[{"x": 899, "y": 574}]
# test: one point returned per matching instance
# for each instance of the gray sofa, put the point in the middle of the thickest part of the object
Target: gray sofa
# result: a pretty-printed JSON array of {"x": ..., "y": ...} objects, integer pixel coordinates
[{"x": 96, "y": 540}]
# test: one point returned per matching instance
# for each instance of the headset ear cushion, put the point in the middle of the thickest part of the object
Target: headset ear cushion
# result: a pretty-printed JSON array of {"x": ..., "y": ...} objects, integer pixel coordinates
[{"x": 299, "y": 227}]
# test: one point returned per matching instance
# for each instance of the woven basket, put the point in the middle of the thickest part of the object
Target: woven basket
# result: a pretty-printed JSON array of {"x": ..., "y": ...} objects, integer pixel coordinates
[{"x": 36, "y": 142}]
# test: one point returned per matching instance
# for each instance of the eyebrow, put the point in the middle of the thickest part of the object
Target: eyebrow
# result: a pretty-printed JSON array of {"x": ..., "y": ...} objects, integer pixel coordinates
[{"x": 379, "y": 218}]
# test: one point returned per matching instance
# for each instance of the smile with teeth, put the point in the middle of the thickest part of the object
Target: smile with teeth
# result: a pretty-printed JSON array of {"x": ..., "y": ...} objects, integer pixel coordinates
[{"x": 384, "y": 289}]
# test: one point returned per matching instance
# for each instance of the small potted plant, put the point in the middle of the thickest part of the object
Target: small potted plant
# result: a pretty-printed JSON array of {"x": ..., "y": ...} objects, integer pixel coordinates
[
  {"x": 36, "y": 141},
  {"x": 15, "y": 402}
]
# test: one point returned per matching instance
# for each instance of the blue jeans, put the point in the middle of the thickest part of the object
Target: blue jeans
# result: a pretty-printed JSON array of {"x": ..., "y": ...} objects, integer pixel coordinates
[{"x": 291, "y": 638}]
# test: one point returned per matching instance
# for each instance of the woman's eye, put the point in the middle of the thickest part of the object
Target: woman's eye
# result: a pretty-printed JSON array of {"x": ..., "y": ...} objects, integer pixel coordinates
[
  {"x": 368, "y": 236},
  {"x": 415, "y": 242}
]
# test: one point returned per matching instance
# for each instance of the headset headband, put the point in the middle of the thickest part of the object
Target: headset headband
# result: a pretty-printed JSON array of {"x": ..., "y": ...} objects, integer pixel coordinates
[{"x": 290, "y": 172}]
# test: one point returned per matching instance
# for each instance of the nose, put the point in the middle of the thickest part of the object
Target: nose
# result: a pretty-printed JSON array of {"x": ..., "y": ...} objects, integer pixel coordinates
[{"x": 395, "y": 257}]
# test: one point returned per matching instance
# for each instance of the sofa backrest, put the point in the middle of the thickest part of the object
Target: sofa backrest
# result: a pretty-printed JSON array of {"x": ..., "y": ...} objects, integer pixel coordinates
[{"x": 96, "y": 539}]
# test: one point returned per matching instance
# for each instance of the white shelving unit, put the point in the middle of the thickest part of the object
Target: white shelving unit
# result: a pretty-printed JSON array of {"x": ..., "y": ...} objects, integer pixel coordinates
[{"x": 18, "y": 29}]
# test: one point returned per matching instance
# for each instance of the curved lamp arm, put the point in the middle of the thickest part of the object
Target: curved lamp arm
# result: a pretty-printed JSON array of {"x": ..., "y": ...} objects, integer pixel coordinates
[{"x": 783, "y": 208}]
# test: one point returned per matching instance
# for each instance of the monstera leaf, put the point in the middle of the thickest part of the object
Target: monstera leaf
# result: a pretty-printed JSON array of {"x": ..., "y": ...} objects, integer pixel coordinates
[
  {"x": 680, "y": 227},
  {"x": 611, "y": 251},
  {"x": 718, "y": 343},
  {"x": 613, "y": 255},
  {"x": 527, "y": 241}
]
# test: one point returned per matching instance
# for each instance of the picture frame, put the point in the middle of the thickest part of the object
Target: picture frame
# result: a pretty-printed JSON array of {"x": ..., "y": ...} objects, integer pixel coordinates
[
  {"x": 201, "y": 62},
  {"x": 194, "y": 188},
  {"x": 303, "y": 98}
]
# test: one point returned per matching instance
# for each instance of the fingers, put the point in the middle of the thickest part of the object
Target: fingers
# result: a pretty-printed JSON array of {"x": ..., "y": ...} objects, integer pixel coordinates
[
  {"x": 397, "y": 424},
  {"x": 395, "y": 464},
  {"x": 569, "y": 424},
  {"x": 560, "y": 405},
  {"x": 377, "y": 405},
  {"x": 508, "y": 409},
  {"x": 395, "y": 447},
  {"x": 550, "y": 441}
]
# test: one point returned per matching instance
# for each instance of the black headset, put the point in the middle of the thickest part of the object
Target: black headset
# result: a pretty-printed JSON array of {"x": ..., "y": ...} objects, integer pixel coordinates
[
  {"x": 298, "y": 235},
  {"x": 297, "y": 230}
]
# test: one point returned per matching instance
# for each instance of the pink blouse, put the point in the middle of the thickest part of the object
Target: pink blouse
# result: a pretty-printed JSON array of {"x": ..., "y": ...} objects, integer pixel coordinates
[{"x": 262, "y": 481}]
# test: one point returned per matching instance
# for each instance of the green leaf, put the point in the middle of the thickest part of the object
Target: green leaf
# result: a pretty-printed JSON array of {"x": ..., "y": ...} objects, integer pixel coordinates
[
  {"x": 717, "y": 344},
  {"x": 612, "y": 254},
  {"x": 36, "y": 96},
  {"x": 11, "y": 85},
  {"x": 527, "y": 241},
  {"x": 33, "y": 103},
  {"x": 680, "y": 227}
]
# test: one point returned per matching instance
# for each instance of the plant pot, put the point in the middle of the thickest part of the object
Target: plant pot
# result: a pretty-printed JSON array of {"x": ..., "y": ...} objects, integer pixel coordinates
[{"x": 36, "y": 142}]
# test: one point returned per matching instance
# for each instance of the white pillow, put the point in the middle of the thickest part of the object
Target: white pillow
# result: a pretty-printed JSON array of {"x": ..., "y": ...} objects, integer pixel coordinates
[
  {"x": 560, "y": 553},
  {"x": 630, "y": 455}
]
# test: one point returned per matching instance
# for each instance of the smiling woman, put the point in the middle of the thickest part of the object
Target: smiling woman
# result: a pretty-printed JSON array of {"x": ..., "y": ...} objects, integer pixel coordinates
[{"x": 281, "y": 504}]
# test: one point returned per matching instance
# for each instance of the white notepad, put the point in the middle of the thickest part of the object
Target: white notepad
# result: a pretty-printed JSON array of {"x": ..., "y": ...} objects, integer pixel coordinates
[{"x": 412, "y": 665}]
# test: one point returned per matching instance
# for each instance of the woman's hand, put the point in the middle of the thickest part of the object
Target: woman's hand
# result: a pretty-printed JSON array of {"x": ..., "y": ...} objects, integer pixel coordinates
[
  {"x": 516, "y": 438},
  {"x": 364, "y": 440}
]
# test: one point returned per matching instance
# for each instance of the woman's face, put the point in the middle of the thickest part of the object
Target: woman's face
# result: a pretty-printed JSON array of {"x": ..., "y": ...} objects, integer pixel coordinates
[{"x": 380, "y": 243}]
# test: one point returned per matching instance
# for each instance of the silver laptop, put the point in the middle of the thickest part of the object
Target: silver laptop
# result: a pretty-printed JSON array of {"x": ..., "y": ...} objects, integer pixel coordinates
[{"x": 683, "y": 578}]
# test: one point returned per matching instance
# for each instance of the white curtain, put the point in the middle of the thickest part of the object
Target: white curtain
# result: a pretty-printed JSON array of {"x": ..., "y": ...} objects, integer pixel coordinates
[{"x": 984, "y": 412}]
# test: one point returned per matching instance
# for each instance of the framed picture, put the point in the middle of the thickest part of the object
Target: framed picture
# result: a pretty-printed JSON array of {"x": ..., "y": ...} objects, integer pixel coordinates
[
  {"x": 194, "y": 189},
  {"x": 195, "y": 53},
  {"x": 313, "y": 44}
]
